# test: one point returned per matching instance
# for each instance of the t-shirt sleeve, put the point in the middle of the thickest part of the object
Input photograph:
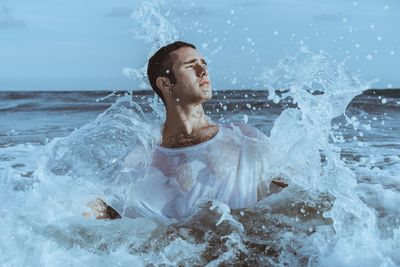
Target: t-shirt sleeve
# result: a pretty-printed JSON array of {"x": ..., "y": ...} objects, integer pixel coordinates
[
  {"x": 256, "y": 148},
  {"x": 261, "y": 148},
  {"x": 249, "y": 131},
  {"x": 145, "y": 196},
  {"x": 118, "y": 191}
]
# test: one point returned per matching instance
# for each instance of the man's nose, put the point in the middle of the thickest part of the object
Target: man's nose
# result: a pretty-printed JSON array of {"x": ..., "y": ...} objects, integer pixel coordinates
[{"x": 201, "y": 71}]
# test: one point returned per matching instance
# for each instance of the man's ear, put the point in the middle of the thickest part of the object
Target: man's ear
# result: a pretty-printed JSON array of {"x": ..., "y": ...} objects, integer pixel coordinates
[{"x": 164, "y": 85}]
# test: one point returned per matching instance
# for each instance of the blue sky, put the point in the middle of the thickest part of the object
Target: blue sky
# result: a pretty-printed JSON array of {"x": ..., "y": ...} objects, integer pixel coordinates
[{"x": 85, "y": 45}]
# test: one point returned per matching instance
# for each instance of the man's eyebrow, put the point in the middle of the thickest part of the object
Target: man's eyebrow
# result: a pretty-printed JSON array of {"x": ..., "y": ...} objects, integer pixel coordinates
[
  {"x": 190, "y": 61},
  {"x": 194, "y": 60}
]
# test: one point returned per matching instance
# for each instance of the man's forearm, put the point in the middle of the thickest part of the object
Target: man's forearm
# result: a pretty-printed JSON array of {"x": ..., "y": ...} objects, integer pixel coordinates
[
  {"x": 112, "y": 213},
  {"x": 101, "y": 210}
]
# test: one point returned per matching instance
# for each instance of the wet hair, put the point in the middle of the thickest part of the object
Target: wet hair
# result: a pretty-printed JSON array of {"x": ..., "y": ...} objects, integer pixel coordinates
[{"x": 160, "y": 65}]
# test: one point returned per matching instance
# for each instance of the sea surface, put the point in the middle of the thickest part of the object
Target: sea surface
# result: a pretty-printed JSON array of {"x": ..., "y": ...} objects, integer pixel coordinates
[{"x": 341, "y": 207}]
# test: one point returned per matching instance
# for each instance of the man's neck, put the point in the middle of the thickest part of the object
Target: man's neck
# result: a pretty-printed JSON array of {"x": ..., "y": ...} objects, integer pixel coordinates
[
  {"x": 184, "y": 119},
  {"x": 186, "y": 125}
]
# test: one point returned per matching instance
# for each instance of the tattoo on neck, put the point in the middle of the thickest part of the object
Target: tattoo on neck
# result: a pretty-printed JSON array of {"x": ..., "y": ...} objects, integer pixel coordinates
[
  {"x": 197, "y": 137},
  {"x": 198, "y": 114}
]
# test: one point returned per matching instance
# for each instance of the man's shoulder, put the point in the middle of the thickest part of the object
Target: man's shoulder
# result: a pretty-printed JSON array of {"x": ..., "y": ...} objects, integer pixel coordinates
[{"x": 245, "y": 130}]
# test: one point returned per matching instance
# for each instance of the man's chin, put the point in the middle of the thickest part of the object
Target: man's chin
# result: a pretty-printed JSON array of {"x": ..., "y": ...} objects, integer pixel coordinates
[
  {"x": 207, "y": 92},
  {"x": 207, "y": 96}
]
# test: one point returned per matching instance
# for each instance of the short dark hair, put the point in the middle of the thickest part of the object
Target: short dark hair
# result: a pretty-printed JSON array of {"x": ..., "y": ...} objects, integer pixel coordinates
[{"x": 160, "y": 65}]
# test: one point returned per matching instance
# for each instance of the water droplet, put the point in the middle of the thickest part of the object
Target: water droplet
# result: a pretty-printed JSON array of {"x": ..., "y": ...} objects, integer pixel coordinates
[
  {"x": 369, "y": 57},
  {"x": 245, "y": 118},
  {"x": 304, "y": 49},
  {"x": 384, "y": 101}
]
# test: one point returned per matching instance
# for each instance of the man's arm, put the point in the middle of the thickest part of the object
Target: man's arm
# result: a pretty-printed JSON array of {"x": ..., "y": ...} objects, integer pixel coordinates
[
  {"x": 275, "y": 186},
  {"x": 279, "y": 183},
  {"x": 101, "y": 210}
]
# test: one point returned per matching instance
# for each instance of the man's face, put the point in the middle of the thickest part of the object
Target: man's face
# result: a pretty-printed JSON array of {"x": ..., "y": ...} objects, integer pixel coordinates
[{"x": 193, "y": 85}]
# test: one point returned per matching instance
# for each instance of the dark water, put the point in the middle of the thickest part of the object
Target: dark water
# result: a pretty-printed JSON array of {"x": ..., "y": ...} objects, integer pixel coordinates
[{"x": 37, "y": 117}]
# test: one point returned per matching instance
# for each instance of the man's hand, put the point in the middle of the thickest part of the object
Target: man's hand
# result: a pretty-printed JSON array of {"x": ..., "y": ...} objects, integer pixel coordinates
[
  {"x": 100, "y": 210},
  {"x": 277, "y": 185},
  {"x": 279, "y": 182}
]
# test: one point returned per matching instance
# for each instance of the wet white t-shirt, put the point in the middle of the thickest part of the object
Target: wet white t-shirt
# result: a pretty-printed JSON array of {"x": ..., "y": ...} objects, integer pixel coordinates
[{"x": 229, "y": 167}]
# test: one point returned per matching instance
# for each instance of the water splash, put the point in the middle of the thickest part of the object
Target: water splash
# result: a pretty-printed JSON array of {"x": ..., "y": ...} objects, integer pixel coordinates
[
  {"x": 154, "y": 28},
  {"x": 303, "y": 151},
  {"x": 124, "y": 126}
]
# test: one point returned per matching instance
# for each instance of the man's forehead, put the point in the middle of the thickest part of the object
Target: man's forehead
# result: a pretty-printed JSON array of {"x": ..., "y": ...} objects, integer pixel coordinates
[{"x": 184, "y": 54}]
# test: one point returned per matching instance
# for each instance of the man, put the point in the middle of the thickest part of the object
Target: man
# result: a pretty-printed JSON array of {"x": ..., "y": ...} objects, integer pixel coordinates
[{"x": 197, "y": 160}]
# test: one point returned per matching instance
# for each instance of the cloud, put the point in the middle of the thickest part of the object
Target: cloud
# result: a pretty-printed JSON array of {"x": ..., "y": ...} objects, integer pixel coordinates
[
  {"x": 119, "y": 12},
  {"x": 8, "y": 21}
]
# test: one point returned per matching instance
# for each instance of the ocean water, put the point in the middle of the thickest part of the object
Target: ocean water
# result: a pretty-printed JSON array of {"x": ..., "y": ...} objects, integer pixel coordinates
[
  {"x": 338, "y": 148},
  {"x": 336, "y": 143}
]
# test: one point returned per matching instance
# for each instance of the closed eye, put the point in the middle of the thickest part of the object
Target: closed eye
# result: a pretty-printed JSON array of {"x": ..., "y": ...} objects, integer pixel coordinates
[{"x": 202, "y": 61}]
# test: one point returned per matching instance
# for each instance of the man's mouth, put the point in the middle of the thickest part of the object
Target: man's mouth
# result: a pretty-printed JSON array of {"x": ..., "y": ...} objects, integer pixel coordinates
[{"x": 204, "y": 82}]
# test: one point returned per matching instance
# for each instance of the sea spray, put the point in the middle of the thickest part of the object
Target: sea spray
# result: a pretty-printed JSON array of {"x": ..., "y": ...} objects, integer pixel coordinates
[
  {"x": 153, "y": 27},
  {"x": 98, "y": 148},
  {"x": 304, "y": 151}
]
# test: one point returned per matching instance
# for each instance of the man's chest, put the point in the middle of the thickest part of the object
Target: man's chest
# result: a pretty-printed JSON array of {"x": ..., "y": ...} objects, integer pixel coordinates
[{"x": 214, "y": 164}]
